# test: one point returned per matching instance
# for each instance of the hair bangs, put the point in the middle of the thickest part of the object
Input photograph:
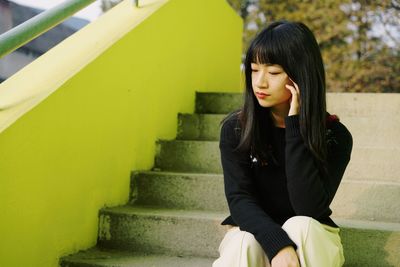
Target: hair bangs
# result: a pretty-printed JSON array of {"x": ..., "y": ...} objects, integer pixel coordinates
[{"x": 269, "y": 50}]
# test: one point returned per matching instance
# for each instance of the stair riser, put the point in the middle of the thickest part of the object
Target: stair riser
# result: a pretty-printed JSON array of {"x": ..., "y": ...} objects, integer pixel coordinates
[
  {"x": 366, "y": 131},
  {"x": 367, "y": 201},
  {"x": 379, "y": 131},
  {"x": 101, "y": 260},
  {"x": 348, "y": 104},
  {"x": 197, "y": 192},
  {"x": 161, "y": 234},
  {"x": 364, "y": 104},
  {"x": 188, "y": 156},
  {"x": 353, "y": 200},
  {"x": 199, "y": 126},
  {"x": 218, "y": 103},
  {"x": 373, "y": 164},
  {"x": 67, "y": 263}
]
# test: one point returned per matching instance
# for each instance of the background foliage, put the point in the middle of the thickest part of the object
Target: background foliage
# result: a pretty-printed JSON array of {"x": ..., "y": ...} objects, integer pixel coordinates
[{"x": 359, "y": 39}]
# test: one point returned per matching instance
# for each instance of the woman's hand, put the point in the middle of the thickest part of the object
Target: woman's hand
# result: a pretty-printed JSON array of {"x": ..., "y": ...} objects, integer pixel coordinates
[
  {"x": 286, "y": 257},
  {"x": 295, "y": 98}
]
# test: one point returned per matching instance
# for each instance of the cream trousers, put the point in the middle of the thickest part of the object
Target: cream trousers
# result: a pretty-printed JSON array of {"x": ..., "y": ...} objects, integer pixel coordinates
[{"x": 318, "y": 245}]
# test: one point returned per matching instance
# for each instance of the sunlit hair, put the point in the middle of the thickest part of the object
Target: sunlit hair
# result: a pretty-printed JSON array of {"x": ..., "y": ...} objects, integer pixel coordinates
[{"x": 293, "y": 46}]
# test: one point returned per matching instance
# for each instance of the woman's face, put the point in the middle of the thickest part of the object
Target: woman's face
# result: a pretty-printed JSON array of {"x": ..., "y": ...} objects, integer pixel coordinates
[{"x": 268, "y": 81}]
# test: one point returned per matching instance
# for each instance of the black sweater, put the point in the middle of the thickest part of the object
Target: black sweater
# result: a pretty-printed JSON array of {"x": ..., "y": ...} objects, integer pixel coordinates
[{"x": 262, "y": 197}]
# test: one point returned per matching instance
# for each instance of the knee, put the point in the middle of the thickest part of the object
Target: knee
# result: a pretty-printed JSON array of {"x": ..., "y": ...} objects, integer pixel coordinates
[
  {"x": 238, "y": 240},
  {"x": 241, "y": 250},
  {"x": 298, "y": 224},
  {"x": 249, "y": 242},
  {"x": 252, "y": 250}
]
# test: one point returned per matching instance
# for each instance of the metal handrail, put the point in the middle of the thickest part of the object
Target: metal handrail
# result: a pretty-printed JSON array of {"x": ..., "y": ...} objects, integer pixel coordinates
[{"x": 43, "y": 22}]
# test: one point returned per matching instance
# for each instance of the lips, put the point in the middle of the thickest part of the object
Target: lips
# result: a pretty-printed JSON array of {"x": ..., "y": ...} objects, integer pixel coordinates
[{"x": 261, "y": 95}]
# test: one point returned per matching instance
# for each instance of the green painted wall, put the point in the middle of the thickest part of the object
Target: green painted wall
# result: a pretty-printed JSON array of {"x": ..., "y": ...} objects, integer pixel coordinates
[{"x": 72, "y": 153}]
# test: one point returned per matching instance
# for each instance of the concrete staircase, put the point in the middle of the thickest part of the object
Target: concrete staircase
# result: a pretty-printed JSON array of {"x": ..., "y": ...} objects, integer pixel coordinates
[{"x": 174, "y": 215}]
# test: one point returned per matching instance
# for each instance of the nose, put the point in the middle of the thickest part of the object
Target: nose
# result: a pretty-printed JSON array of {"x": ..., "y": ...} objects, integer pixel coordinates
[{"x": 261, "y": 80}]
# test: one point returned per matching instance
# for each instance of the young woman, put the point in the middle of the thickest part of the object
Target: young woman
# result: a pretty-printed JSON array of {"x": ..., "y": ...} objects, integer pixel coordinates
[{"x": 283, "y": 157}]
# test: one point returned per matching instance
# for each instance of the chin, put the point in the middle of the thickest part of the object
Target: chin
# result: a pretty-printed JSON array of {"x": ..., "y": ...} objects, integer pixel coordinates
[{"x": 265, "y": 104}]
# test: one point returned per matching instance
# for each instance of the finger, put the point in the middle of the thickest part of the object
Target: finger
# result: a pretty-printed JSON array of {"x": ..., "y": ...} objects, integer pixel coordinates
[
  {"x": 295, "y": 84},
  {"x": 292, "y": 89},
  {"x": 293, "y": 93}
]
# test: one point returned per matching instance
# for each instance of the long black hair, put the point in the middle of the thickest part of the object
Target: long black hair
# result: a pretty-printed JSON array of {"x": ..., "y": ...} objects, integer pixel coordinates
[{"x": 293, "y": 46}]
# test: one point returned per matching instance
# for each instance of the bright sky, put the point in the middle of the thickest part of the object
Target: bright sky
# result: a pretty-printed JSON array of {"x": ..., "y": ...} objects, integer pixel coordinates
[{"x": 90, "y": 12}]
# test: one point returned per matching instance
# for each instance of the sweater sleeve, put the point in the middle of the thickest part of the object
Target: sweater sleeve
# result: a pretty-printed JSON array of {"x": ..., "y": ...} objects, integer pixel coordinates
[
  {"x": 239, "y": 190},
  {"x": 311, "y": 194}
]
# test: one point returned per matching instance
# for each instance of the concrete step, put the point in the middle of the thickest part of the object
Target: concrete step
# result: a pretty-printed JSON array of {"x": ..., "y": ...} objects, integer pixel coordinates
[
  {"x": 179, "y": 232},
  {"x": 196, "y": 191},
  {"x": 161, "y": 231},
  {"x": 217, "y": 103},
  {"x": 370, "y": 163},
  {"x": 366, "y": 131},
  {"x": 364, "y": 104},
  {"x": 348, "y": 104},
  {"x": 375, "y": 164},
  {"x": 199, "y": 126},
  {"x": 188, "y": 156},
  {"x": 368, "y": 201},
  {"x": 355, "y": 199},
  {"x": 96, "y": 257},
  {"x": 373, "y": 131},
  {"x": 383, "y": 240}
]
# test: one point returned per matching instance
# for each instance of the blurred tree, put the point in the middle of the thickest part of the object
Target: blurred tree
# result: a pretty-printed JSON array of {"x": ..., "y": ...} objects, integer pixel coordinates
[
  {"x": 357, "y": 37},
  {"x": 373, "y": 48}
]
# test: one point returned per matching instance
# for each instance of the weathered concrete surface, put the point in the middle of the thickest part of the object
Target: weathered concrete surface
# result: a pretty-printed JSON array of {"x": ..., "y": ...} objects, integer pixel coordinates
[
  {"x": 376, "y": 131},
  {"x": 370, "y": 201},
  {"x": 364, "y": 104},
  {"x": 355, "y": 199},
  {"x": 199, "y": 126},
  {"x": 348, "y": 104},
  {"x": 181, "y": 232},
  {"x": 196, "y": 191},
  {"x": 188, "y": 156},
  {"x": 363, "y": 247},
  {"x": 117, "y": 258},
  {"x": 217, "y": 103},
  {"x": 164, "y": 231},
  {"x": 374, "y": 164},
  {"x": 368, "y": 163}
]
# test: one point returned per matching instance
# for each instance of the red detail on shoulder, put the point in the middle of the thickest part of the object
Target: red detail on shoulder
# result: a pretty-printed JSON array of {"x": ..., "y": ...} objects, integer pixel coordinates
[{"x": 332, "y": 118}]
